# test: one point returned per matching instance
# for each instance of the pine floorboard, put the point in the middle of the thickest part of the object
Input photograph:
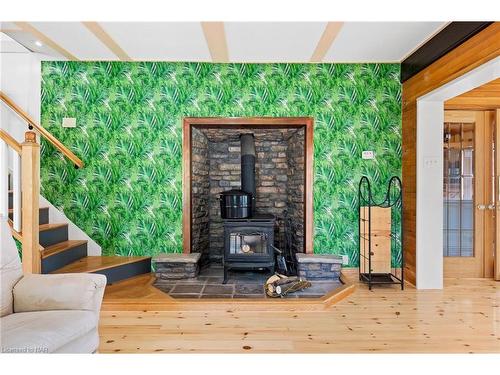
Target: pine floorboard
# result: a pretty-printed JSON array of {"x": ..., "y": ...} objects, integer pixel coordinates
[{"x": 464, "y": 317}]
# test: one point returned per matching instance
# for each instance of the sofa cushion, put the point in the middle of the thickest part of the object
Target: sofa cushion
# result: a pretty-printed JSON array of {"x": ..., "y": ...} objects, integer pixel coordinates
[
  {"x": 10, "y": 267},
  {"x": 88, "y": 343},
  {"x": 68, "y": 291},
  {"x": 44, "y": 332}
]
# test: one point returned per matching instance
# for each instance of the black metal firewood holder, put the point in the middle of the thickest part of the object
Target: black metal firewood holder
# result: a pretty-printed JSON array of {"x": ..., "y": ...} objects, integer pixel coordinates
[{"x": 394, "y": 201}]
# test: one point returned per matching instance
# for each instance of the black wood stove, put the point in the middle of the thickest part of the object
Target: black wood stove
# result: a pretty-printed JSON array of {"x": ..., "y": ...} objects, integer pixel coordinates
[
  {"x": 248, "y": 237},
  {"x": 249, "y": 243}
]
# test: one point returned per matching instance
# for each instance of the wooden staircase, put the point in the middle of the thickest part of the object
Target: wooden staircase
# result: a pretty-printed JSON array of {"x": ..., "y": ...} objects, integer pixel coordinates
[
  {"x": 59, "y": 254},
  {"x": 46, "y": 246}
]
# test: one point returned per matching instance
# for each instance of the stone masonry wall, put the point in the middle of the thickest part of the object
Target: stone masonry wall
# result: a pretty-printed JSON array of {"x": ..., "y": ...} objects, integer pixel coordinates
[
  {"x": 295, "y": 187},
  {"x": 217, "y": 166},
  {"x": 225, "y": 174},
  {"x": 200, "y": 195}
]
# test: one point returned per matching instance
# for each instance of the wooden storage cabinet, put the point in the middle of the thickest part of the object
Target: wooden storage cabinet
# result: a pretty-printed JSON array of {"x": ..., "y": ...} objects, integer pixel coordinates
[{"x": 380, "y": 239}]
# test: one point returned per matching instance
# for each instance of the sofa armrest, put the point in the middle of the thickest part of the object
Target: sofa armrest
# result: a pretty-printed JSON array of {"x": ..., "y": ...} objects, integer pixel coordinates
[{"x": 71, "y": 291}]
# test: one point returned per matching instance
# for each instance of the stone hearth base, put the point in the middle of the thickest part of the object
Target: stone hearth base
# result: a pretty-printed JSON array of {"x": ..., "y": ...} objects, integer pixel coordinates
[
  {"x": 319, "y": 267},
  {"x": 241, "y": 284},
  {"x": 176, "y": 266}
]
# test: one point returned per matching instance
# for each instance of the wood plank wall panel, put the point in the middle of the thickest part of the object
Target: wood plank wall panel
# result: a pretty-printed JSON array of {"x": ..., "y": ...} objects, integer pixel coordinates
[
  {"x": 481, "y": 48},
  {"x": 409, "y": 174},
  {"x": 486, "y": 97},
  {"x": 476, "y": 51}
]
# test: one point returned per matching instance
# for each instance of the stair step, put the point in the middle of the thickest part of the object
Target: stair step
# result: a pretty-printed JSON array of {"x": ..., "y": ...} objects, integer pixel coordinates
[
  {"x": 115, "y": 268},
  {"x": 43, "y": 218},
  {"x": 60, "y": 247},
  {"x": 63, "y": 253},
  {"x": 51, "y": 234},
  {"x": 44, "y": 227}
]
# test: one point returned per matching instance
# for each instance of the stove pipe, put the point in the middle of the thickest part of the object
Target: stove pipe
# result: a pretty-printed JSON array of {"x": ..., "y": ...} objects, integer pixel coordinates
[{"x": 248, "y": 165}]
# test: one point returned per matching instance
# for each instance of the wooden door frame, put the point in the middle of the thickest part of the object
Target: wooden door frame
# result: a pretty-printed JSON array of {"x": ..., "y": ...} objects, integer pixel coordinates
[
  {"x": 496, "y": 273},
  {"x": 251, "y": 122},
  {"x": 489, "y": 190}
]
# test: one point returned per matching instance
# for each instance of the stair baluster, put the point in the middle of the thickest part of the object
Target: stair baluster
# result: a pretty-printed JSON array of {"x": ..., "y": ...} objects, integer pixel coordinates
[
  {"x": 4, "y": 179},
  {"x": 16, "y": 191}
]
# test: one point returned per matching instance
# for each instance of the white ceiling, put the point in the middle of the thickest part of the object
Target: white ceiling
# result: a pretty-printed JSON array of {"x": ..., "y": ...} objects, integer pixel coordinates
[
  {"x": 379, "y": 41},
  {"x": 170, "y": 41},
  {"x": 272, "y": 42},
  {"x": 76, "y": 38},
  {"x": 243, "y": 41},
  {"x": 9, "y": 45}
]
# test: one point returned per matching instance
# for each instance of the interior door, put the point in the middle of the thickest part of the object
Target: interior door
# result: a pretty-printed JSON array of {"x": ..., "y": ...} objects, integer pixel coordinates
[
  {"x": 467, "y": 173},
  {"x": 496, "y": 198}
]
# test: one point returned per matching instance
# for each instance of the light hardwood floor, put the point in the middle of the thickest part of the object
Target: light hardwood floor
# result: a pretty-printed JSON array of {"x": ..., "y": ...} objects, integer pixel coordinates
[{"x": 462, "y": 318}]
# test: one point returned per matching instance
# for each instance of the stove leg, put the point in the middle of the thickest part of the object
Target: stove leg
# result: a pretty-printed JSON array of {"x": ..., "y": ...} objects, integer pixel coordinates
[{"x": 225, "y": 276}]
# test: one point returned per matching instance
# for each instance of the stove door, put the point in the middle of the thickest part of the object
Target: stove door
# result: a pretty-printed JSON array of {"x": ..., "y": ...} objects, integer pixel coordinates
[{"x": 248, "y": 244}]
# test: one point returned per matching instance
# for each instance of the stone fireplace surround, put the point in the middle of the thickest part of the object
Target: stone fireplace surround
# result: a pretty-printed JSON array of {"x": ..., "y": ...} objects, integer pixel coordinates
[
  {"x": 211, "y": 151},
  {"x": 216, "y": 168}
]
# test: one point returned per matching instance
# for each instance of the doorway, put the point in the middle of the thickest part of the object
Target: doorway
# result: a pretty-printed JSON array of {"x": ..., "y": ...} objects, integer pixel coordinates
[
  {"x": 469, "y": 206},
  {"x": 430, "y": 109}
]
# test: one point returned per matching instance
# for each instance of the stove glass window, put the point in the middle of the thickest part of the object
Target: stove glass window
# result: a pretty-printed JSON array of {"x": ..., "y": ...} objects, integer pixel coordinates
[{"x": 248, "y": 243}]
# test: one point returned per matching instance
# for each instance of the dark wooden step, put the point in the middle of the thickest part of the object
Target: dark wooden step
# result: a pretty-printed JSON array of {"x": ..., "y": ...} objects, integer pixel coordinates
[
  {"x": 63, "y": 253},
  {"x": 115, "y": 268},
  {"x": 43, "y": 217},
  {"x": 51, "y": 234}
]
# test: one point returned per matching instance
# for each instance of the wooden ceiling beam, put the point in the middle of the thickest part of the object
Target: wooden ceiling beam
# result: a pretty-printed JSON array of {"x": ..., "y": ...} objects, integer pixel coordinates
[
  {"x": 332, "y": 29},
  {"x": 215, "y": 36},
  {"x": 107, "y": 40}
]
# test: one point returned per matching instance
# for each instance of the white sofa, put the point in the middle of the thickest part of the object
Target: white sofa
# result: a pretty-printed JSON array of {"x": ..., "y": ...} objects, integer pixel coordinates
[{"x": 46, "y": 313}]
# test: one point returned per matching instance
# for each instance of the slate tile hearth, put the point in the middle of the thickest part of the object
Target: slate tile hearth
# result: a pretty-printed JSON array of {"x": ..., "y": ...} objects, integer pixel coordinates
[
  {"x": 187, "y": 289},
  {"x": 241, "y": 284}
]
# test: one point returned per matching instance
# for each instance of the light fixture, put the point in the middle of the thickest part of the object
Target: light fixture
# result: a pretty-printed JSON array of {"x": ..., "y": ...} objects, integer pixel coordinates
[{"x": 38, "y": 43}]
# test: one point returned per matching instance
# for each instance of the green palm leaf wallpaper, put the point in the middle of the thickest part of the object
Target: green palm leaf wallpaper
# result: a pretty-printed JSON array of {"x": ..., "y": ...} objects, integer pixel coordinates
[{"x": 128, "y": 197}]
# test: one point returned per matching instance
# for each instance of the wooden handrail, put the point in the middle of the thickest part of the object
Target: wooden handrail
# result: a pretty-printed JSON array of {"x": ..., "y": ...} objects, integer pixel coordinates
[
  {"x": 10, "y": 141},
  {"x": 66, "y": 152}
]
